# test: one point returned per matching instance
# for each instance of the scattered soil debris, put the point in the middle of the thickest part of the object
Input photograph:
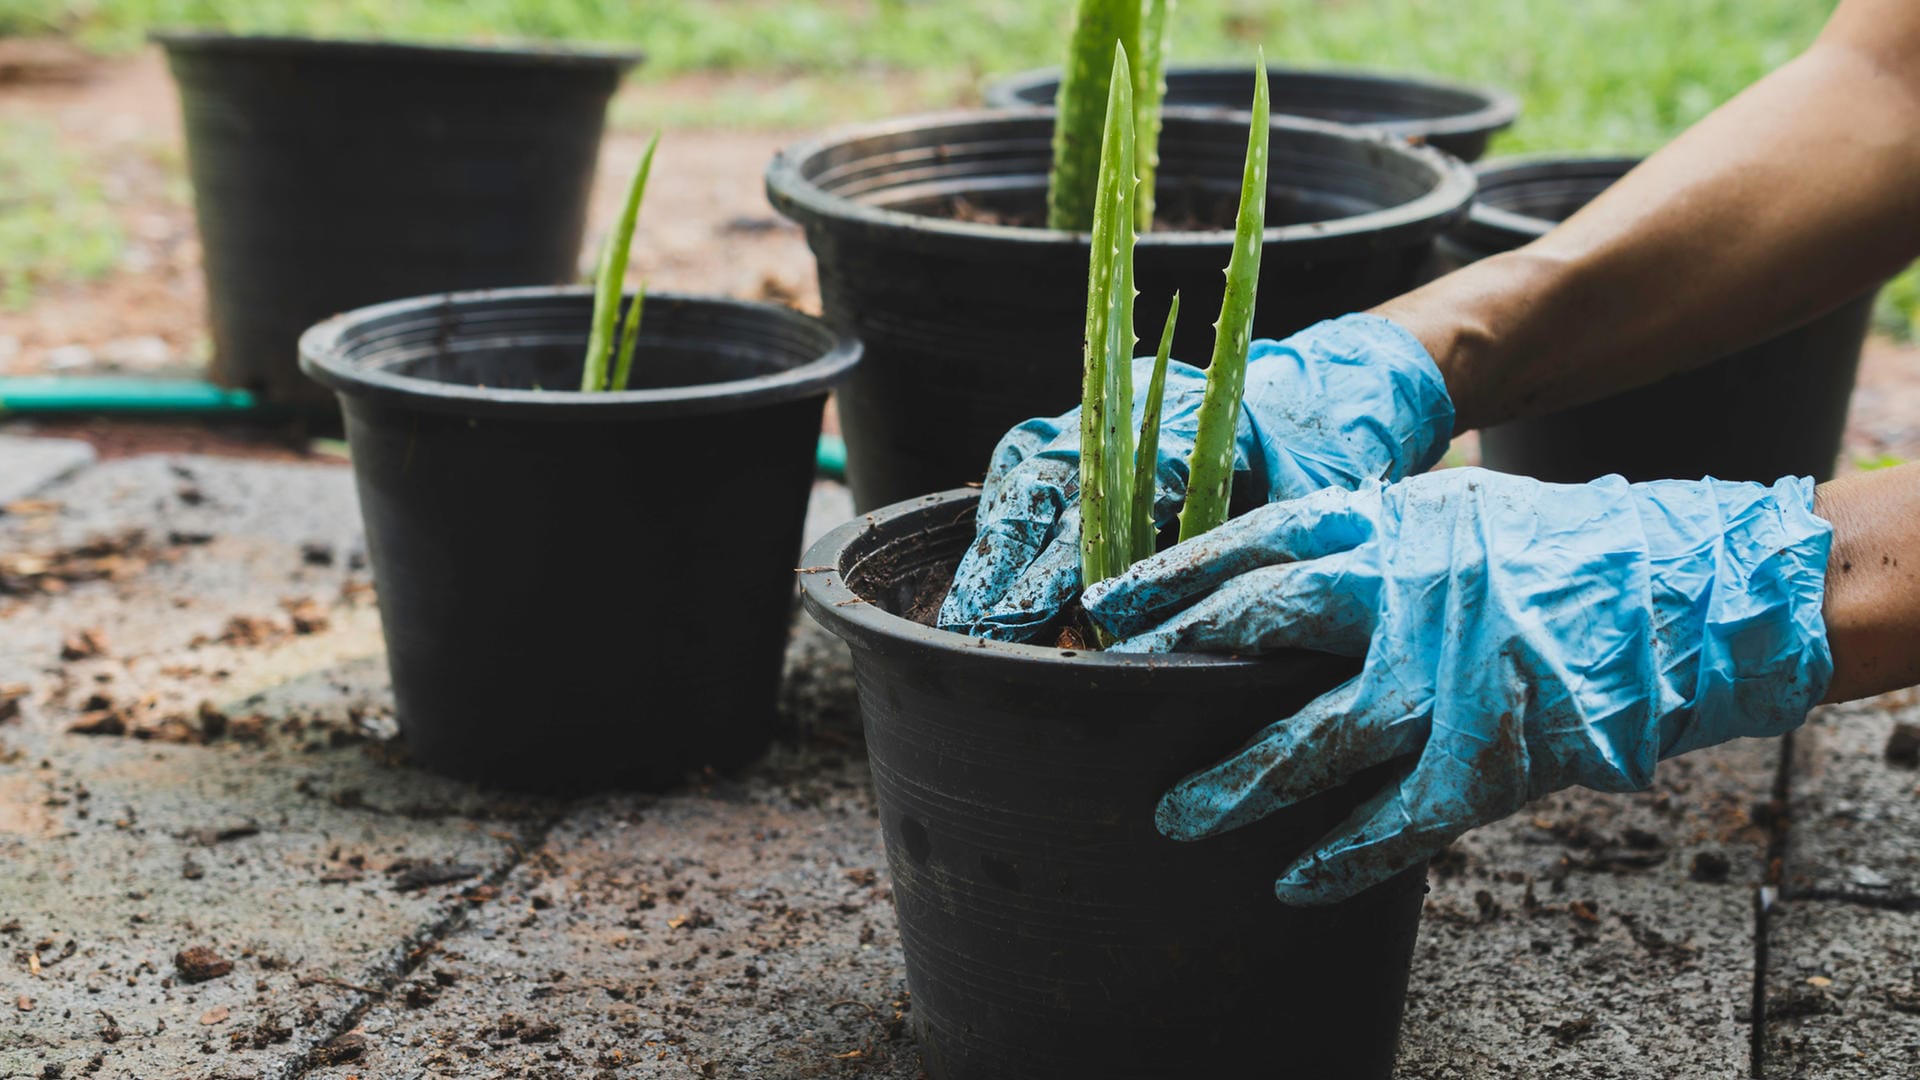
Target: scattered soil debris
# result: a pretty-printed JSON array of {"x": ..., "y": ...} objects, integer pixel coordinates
[
  {"x": 84, "y": 645},
  {"x": 104, "y": 722},
  {"x": 307, "y": 615},
  {"x": 343, "y": 1049},
  {"x": 1905, "y": 999},
  {"x": 526, "y": 1031},
  {"x": 216, "y": 834},
  {"x": 1903, "y": 746},
  {"x": 268, "y": 1032},
  {"x": 1710, "y": 867},
  {"x": 316, "y": 553},
  {"x": 199, "y": 963},
  {"x": 10, "y": 695},
  {"x": 115, "y": 557},
  {"x": 1567, "y": 1032},
  {"x": 410, "y": 876}
]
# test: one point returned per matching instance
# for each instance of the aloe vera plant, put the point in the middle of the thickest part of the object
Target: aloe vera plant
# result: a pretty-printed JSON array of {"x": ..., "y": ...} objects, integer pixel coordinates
[
  {"x": 1140, "y": 28},
  {"x": 1106, "y": 396},
  {"x": 1210, "y": 469},
  {"x": 1117, "y": 467},
  {"x": 609, "y": 360}
]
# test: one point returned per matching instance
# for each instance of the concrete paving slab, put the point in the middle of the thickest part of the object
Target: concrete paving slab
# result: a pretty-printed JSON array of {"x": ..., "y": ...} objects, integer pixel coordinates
[
  {"x": 1855, "y": 810},
  {"x": 744, "y": 929},
  {"x": 1598, "y": 936},
  {"x": 242, "y": 795},
  {"x": 29, "y": 464},
  {"x": 1843, "y": 993}
]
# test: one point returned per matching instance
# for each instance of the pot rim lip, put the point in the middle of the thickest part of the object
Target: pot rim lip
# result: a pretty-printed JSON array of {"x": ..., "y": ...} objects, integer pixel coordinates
[
  {"x": 323, "y": 359},
  {"x": 799, "y": 198},
  {"x": 1497, "y": 111},
  {"x": 201, "y": 40},
  {"x": 848, "y": 615},
  {"x": 1483, "y": 216}
]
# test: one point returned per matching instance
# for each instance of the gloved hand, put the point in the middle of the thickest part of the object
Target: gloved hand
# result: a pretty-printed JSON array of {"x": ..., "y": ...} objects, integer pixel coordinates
[
  {"x": 1353, "y": 399},
  {"x": 1519, "y": 638}
]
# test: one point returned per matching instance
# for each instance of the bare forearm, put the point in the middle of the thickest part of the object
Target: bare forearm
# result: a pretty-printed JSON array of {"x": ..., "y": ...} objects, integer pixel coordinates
[
  {"x": 1872, "y": 604},
  {"x": 1788, "y": 201}
]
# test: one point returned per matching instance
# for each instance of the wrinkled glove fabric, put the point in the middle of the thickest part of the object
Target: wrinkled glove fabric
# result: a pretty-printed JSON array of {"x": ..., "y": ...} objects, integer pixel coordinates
[
  {"x": 1518, "y": 638},
  {"x": 1342, "y": 402}
]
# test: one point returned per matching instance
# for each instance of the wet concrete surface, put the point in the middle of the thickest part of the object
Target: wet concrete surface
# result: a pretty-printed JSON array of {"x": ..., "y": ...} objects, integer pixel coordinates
[{"x": 242, "y": 792}]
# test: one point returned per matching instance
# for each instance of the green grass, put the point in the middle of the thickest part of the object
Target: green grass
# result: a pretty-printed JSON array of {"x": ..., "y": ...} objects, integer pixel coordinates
[
  {"x": 55, "y": 222},
  {"x": 1613, "y": 74},
  {"x": 1596, "y": 75}
]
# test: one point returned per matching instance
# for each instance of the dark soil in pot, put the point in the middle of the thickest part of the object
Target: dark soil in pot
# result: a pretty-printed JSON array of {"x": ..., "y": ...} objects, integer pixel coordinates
[
  {"x": 1050, "y": 930},
  {"x": 972, "y": 325},
  {"x": 332, "y": 174},
  {"x": 1777, "y": 408},
  {"x": 581, "y": 590},
  {"x": 1456, "y": 118}
]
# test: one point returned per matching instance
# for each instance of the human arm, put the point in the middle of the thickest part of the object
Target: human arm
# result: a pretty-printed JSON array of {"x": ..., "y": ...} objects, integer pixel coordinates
[
  {"x": 1789, "y": 200},
  {"x": 1872, "y": 608}
]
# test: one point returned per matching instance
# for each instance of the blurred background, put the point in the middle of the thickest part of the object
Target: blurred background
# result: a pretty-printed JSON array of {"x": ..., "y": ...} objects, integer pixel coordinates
[{"x": 98, "y": 260}]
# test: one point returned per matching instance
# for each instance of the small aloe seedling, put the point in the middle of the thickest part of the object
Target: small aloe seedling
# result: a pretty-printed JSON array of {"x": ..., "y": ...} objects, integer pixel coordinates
[
  {"x": 609, "y": 361},
  {"x": 1140, "y": 27},
  {"x": 1116, "y": 467}
]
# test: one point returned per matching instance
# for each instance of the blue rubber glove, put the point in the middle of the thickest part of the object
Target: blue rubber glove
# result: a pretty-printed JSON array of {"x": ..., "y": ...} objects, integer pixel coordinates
[
  {"x": 1519, "y": 638},
  {"x": 1341, "y": 402}
]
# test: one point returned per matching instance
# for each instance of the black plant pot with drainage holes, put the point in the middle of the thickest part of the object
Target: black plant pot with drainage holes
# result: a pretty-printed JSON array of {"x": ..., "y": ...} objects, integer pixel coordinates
[
  {"x": 1050, "y": 931},
  {"x": 971, "y": 328},
  {"x": 1451, "y": 116},
  {"x": 1776, "y": 409},
  {"x": 580, "y": 590},
  {"x": 328, "y": 175}
]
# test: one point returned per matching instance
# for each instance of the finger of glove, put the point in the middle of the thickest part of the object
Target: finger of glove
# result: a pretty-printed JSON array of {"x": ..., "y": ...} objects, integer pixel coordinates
[
  {"x": 1327, "y": 605},
  {"x": 1403, "y": 826},
  {"x": 1016, "y": 523},
  {"x": 1043, "y": 588},
  {"x": 1317, "y": 749},
  {"x": 1325, "y": 523}
]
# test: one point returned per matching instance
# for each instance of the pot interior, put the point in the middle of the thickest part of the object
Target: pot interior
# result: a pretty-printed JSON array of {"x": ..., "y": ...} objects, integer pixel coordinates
[
  {"x": 908, "y": 573},
  {"x": 993, "y": 169}
]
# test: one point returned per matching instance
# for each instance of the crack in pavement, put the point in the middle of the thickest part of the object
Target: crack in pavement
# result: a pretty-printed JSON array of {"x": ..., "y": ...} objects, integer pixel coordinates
[
  {"x": 1765, "y": 897},
  {"x": 414, "y": 952}
]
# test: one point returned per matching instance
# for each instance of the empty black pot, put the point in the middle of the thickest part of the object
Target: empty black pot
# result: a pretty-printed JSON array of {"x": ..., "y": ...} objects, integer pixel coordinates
[
  {"x": 581, "y": 590},
  {"x": 1456, "y": 118},
  {"x": 332, "y": 174},
  {"x": 972, "y": 327},
  {"x": 1050, "y": 931},
  {"x": 1776, "y": 409}
]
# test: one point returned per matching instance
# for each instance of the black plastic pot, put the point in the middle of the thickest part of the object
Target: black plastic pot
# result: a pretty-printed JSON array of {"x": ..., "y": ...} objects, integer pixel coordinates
[
  {"x": 971, "y": 328},
  {"x": 1050, "y": 931},
  {"x": 332, "y": 174},
  {"x": 1456, "y": 118},
  {"x": 581, "y": 590},
  {"x": 1775, "y": 409}
]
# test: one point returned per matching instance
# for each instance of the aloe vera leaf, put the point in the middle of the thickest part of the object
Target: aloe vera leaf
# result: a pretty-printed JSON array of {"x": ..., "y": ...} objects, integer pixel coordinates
[
  {"x": 1146, "y": 452},
  {"x": 629, "y": 338},
  {"x": 1080, "y": 107},
  {"x": 1210, "y": 469},
  {"x": 1106, "y": 405},
  {"x": 1149, "y": 92},
  {"x": 613, "y": 272}
]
